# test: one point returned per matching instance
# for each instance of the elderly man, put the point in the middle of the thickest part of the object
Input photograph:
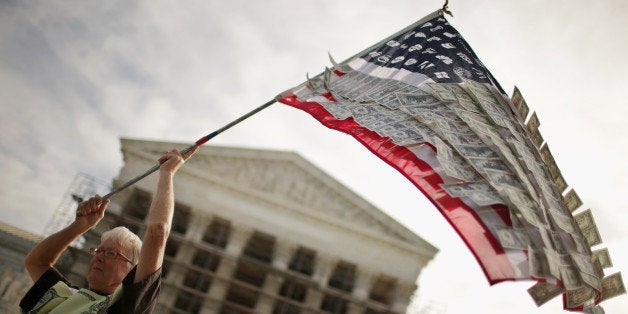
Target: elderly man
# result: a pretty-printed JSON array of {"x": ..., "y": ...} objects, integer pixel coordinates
[{"x": 124, "y": 274}]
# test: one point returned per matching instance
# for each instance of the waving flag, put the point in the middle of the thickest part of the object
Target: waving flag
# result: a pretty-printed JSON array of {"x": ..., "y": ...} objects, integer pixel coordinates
[{"x": 424, "y": 103}]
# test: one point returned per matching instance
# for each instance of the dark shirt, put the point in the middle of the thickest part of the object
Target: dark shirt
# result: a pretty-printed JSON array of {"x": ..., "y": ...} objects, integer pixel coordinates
[{"x": 139, "y": 297}]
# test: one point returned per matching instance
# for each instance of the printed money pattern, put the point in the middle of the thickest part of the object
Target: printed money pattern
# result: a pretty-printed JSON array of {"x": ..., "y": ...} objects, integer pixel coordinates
[{"x": 487, "y": 155}]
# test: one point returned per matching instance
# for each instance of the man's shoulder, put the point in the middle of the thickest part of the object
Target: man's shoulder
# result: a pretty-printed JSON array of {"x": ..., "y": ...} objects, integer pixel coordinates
[
  {"x": 138, "y": 297},
  {"x": 129, "y": 280}
]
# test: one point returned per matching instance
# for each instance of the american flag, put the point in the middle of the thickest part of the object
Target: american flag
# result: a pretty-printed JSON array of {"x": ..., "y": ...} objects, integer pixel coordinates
[{"x": 424, "y": 103}]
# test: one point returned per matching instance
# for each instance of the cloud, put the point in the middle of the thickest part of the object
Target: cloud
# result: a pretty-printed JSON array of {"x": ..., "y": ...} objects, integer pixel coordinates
[{"x": 76, "y": 76}]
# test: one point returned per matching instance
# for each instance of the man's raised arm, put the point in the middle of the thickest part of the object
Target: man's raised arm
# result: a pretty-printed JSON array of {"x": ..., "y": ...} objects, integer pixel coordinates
[
  {"x": 46, "y": 253},
  {"x": 160, "y": 215}
]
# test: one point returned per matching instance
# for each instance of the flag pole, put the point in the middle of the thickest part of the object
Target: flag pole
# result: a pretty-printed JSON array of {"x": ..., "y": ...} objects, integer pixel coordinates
[
  {"x": 199, "y": 142},
  {"x": 206, "y": 138}
]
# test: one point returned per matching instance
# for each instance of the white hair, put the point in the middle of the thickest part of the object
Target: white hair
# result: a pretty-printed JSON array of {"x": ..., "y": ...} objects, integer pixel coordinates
[{"x": 127, "y": 239}]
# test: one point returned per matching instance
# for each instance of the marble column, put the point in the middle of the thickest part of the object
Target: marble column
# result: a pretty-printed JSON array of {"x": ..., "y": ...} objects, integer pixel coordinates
[
  {"x": 362, "y": 285},
  {"x": 273, "y": 282},
  {"x": 283, "y": 253},
  {"x": 361, "y": 288},
  {"x": 266, "y": 300},
  {"x": 237, "y": 241},
  {"x": 322, "y": 271},
  {"x": 403, "y": 294},
  {"x": 197, "y": 226}
]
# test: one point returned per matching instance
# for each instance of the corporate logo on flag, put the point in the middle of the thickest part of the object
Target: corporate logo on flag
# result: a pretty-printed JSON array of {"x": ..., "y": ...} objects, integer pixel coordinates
[{"x": 434, "y": 49}]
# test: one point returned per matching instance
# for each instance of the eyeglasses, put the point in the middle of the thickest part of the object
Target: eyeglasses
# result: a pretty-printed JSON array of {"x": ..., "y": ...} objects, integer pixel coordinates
[{"x": 108, "y": 254}]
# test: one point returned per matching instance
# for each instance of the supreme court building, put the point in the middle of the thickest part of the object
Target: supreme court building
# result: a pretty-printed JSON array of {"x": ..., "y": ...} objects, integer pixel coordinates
[{"x": 258, "y": 231}]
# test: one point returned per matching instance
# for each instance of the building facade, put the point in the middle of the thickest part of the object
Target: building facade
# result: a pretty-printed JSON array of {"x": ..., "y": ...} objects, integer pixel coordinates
[
  {"x": 14, "y": 282},
  {"x": 259, "y": 231}
]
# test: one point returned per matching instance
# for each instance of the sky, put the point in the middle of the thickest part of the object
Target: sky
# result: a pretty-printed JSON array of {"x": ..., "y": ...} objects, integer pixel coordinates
[{"x": 75, "y": 76}]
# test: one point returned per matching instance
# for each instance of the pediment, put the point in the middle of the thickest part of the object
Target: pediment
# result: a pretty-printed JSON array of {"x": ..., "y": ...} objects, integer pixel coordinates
[{"x": 287, "y": 175}]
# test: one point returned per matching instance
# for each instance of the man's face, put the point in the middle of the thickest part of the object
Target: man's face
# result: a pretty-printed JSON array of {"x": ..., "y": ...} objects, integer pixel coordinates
[{"x": 105, "y": 274}]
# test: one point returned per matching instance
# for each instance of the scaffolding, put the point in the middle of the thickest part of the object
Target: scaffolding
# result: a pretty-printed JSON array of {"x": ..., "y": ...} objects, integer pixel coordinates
[{"x": 83, "y": 186}]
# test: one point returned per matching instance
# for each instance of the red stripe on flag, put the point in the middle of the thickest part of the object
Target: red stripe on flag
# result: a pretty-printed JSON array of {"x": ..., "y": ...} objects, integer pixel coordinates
[{"x": 486, "y": 249}]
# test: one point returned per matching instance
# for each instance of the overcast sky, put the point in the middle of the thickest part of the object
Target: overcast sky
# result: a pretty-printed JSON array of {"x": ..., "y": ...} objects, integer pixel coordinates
[{"x": 75, "y": 76}]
